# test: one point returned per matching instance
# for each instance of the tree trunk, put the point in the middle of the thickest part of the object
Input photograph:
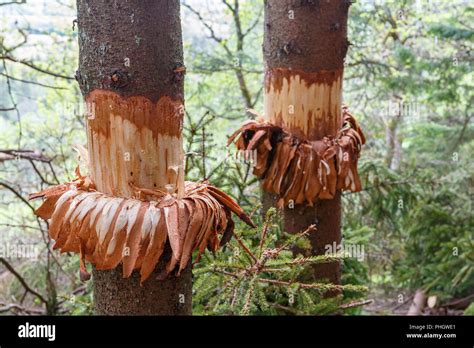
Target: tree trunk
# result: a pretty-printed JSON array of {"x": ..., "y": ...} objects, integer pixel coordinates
[
  {"x": 394, "y": 147},
  {"x": 131, "y": 76},
  {"x": 305, "y": 43}
]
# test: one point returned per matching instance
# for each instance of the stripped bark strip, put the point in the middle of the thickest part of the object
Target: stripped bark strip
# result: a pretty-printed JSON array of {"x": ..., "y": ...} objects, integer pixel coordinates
[
  {"x": 301, "y": 170},
  {"x": 106, "y": 230}
]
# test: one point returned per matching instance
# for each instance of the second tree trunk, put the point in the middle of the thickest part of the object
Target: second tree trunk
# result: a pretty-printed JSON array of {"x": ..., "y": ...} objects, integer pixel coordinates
[{"x": 305, "y": 43}]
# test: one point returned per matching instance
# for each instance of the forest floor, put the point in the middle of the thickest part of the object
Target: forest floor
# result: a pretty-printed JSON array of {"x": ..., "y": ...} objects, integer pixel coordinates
[{"x": 387, "y": 304}]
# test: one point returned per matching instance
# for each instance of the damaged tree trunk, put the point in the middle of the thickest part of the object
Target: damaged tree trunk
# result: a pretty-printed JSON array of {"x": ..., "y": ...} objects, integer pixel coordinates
[
  {"x": 305, "y": 43},
  {"x": 131, "y": 75},
  {"x": 133, "y": 208}
]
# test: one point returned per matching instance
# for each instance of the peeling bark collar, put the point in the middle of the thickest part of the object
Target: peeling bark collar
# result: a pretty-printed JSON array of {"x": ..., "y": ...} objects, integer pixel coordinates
[
  {"x": 107, "y": 230},
  {"x": 301, "y": 170}
]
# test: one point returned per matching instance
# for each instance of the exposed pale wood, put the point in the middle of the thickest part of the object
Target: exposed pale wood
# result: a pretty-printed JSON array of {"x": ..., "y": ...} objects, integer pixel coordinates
[
  {"x": 126, "y": 145},
  {"x": 304, "y": 104}
]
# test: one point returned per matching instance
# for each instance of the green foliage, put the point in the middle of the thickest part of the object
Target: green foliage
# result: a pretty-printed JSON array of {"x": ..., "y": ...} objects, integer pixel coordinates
[
  {"x": 79, "y": 304},
  {"x": 439, "y": 247},
  {"x": 469, "y": 310},
  {"x": 424, "y": 228},
  {"x": 451, "y": 32},
  {"x": 256, "y": 276}
]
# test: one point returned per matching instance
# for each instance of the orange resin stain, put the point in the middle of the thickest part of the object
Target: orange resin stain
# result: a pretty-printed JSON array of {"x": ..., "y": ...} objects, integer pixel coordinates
[
  {"x": 134, "y": 141},
  {"x": 306, "y": 104}
]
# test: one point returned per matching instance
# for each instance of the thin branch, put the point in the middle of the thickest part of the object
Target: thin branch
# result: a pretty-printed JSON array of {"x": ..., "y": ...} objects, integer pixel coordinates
[
  {"x": 314, "y": 260},
  {"x": 13, "y": 3},
  {"x": 316, "y": 286},
  {"x": 7, "y": 186},
  {"x": 42, "y": 178},
  {"x": 254, "y": 24},
  {"x": 355, "y": 304},
  {"x": 229, "y": 6},
  {"x": 32, "y": 155},
  {"x": 467, "y": 119},
  {"x": 31, "y": 82},
  {"x": 8, "y": 307},
  {"x": 21, "y": 43},
  {"x": 286, "y": 244},
  {"x": 15, "y": 106},
  {"x": 210, "y": 28},
  {"x": 263, "y": 237},
  {"x": 246, "y": 249},
  {"x": 369, "y": 63},
  {"x": 246, "y": 95},
  {"x": 22, "y": 281},
  {"x": 257, "y": 96},
  {"x": 37, "y": 68},
  {"x": 54, "y": 173}
]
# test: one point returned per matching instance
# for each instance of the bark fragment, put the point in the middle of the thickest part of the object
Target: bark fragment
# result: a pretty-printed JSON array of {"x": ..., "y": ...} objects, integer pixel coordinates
[
  {"x": 106, "y": 230},
  {"x": 300, "y": 170}
]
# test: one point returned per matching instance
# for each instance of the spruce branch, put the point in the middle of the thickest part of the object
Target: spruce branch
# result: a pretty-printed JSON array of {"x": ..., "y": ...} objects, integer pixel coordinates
[{"x": 262, "y": 271}]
